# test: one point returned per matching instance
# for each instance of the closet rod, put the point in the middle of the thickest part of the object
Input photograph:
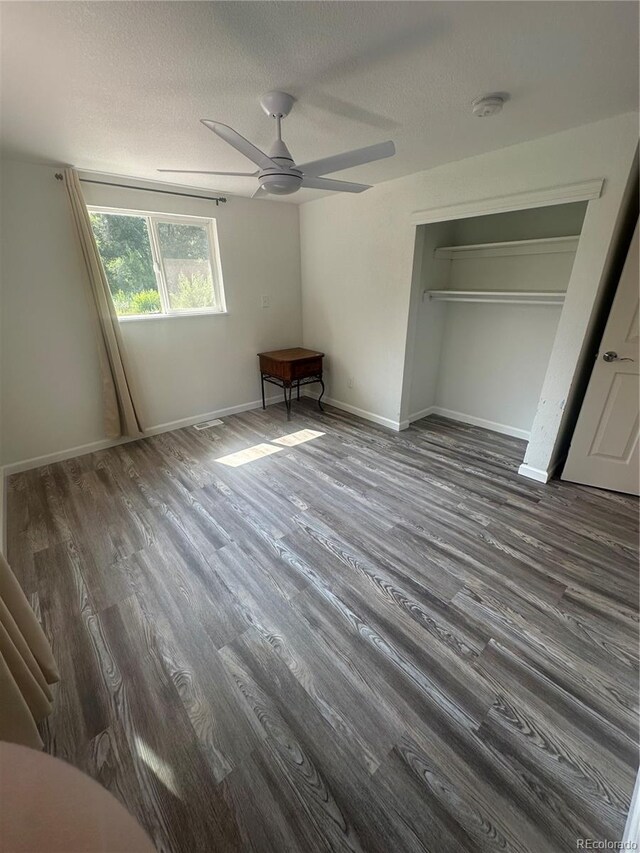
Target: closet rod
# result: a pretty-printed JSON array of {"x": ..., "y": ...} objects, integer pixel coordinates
[
  {"x": 218, "y": 199},
  {"x": 497, "y": 296}
]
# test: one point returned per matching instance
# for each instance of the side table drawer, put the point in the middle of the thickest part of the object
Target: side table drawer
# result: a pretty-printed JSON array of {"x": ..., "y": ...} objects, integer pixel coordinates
[
  {"x": 279, "y": 369},
  {"x": 308, "y": 367},
  {"x": 290, "y": 371}
]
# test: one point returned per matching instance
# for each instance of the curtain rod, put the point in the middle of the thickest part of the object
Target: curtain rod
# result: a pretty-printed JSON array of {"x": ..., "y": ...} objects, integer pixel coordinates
[{"x": 218, "y": 199}]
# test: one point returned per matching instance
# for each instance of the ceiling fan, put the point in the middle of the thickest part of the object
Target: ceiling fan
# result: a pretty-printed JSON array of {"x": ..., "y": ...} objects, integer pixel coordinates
[{"x": 277, "y": 173}]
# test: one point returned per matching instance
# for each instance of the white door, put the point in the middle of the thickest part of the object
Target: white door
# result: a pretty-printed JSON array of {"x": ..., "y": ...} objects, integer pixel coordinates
[{"x": 604, "y": 448}]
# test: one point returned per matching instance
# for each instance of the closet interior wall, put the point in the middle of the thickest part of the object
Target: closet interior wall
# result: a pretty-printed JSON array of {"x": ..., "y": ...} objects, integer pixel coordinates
[{"x": 483, "y": 359}]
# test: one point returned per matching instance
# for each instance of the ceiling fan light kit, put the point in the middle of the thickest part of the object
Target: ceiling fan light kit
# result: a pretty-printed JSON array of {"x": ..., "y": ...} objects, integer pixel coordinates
[{"x": 278, "y": 173}]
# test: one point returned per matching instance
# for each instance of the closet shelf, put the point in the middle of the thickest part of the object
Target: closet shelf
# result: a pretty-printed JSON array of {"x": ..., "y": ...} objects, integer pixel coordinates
[
  {"x": 545, "y": 246},
  {"x": 503, "y": 296}
]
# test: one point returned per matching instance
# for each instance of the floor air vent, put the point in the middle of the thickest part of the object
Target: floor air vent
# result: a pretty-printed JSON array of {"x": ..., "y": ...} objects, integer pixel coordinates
[{"x": 207, "y": 424}]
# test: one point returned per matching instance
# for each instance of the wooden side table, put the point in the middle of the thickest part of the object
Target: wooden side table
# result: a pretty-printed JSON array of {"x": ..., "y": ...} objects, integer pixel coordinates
[{"x": 288, "y": 367}]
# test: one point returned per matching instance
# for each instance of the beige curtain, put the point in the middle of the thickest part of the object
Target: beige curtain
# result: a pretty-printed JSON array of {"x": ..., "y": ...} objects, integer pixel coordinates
[
  {"x": 121, "y": 409},
  {"x": 27, "y": 667}
]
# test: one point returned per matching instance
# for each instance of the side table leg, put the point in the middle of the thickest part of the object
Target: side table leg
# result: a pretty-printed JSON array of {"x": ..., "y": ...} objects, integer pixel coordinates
[
  {"x": 287, "y": 401},
  {"x": 298, "y": 390},
  {"x": 321, "y": 395},
  {"x": 262, "y": 387}
]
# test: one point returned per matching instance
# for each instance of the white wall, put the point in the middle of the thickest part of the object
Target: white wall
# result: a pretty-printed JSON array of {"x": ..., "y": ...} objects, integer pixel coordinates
[
  {"x": 185, "y": 366},
  {"x": 493, "y": 362},
  {"x": 426, "y": 318},
  {"x": 357, "y": 263},
  {"x": 556, "y": 220},
  {"x": 518, "y": 272}
]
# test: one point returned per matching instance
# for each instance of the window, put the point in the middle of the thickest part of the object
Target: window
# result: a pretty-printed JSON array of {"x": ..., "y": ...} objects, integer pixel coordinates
[{"x": 159, "y": 265}]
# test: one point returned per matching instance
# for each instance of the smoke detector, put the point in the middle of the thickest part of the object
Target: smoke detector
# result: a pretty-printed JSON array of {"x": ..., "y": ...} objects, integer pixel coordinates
[{"x": 488, "y": 105}]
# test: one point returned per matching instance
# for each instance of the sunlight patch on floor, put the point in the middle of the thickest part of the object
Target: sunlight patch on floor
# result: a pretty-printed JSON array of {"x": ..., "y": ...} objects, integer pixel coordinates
[
  {"x": 159, "y": 767},
  {"x": 299, "y": 437},
  {"x": 258, "y": 451}
]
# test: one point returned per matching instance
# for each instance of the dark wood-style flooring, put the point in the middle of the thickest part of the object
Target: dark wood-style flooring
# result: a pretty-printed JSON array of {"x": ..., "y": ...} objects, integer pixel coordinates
[{"x": 369, "y": 641}]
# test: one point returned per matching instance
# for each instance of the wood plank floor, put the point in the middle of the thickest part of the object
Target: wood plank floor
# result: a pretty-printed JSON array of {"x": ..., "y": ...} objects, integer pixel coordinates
[{"x": 368, "y": 641}]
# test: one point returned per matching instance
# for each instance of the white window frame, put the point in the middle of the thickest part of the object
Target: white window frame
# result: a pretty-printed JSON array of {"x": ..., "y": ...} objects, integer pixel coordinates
[{"x": 153, "y": 220}]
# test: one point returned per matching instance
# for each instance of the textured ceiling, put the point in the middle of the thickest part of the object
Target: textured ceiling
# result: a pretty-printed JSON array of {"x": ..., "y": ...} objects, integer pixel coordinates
[{"x": 119, "y": 86}]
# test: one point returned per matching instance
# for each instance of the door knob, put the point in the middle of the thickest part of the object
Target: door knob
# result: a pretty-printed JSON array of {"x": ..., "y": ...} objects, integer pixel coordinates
[{"x": 613, "y": 356}]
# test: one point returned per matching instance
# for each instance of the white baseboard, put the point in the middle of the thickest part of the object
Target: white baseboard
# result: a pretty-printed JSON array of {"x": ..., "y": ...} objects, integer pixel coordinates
[
  {"x": 505, "y": 429},
  {"x": 538, "y": 473},
  {"x": 534, "y": 473},
  {"x": 103, "y": 444},
  {"x": 396, "y": 426},
  {"x": 417, "y": 416},
  {"x": 61, "y": 455}
]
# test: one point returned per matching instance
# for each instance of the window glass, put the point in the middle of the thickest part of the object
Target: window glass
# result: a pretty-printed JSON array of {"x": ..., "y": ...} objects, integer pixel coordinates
[
  {"x": 156, "y": 264},
  {"x": 125, "y": 249},
  {"x": 185, "y": 254}
]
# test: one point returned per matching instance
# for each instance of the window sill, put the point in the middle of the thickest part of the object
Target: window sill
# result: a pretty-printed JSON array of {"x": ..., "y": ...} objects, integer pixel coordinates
[{"x": 134, "y": 318}]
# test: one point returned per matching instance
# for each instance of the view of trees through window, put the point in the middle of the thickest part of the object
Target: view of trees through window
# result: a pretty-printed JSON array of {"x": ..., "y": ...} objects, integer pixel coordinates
[
  {"x": 124, "y": 243},
  {"x": 187, "y": 270}
]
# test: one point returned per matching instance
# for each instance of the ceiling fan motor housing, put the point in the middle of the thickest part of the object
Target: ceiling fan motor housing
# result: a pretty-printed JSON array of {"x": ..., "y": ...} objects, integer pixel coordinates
[{"x": 281, "y": 181}]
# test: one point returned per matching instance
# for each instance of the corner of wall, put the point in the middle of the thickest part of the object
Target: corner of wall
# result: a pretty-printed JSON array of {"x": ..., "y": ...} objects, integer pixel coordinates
[{"x": 412, "y": 323}]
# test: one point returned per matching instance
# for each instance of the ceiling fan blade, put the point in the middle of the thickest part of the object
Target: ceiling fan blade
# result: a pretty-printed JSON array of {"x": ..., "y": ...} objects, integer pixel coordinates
[
  {"x": 260, "y": 192},
  {"x": 240, "y": 143},
  {"x": 358, "y": 157},
  {"x": 202, "y": 172},
  {"x": 314, "y": 183}
]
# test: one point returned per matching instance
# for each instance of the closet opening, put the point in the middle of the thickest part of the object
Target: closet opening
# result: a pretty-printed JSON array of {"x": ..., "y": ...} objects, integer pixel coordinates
[{"x": 488, "y": 294}]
